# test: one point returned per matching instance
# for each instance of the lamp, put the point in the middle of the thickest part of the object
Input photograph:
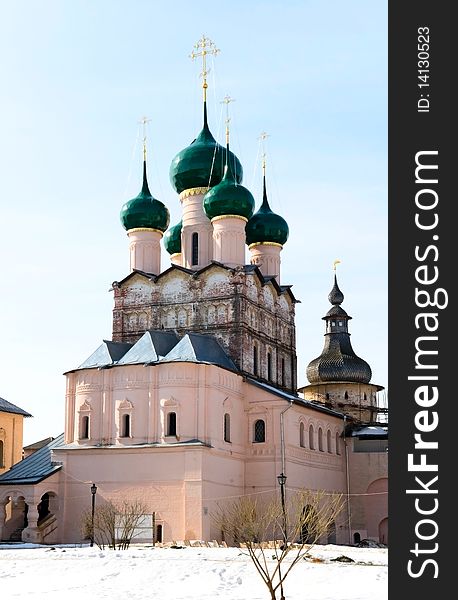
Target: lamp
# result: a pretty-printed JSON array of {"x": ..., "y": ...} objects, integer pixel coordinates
[{"x": 93, "y": 492}]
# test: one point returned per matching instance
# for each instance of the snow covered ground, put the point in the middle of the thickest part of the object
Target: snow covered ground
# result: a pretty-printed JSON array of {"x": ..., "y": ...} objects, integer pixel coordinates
[{"x": 145, "y": 573}]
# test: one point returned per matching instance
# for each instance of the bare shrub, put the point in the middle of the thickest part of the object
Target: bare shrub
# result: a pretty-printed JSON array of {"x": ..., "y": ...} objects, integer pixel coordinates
[
  {"x": 115, "y": 523},
  {"x": 276, "y": 539}
]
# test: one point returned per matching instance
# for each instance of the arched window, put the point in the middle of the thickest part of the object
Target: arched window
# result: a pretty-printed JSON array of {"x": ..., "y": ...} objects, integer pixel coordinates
[
  {"x": 328, "y": 441},
  {"x": 356, "y": 537},
  {"x": 365, "y": 396},
  {"x": 259, "y": 431},
  {"x": 346, "y": 396},
  {"x": 269, "y": 366},
  {"x": 337, "y": 443},
  {"x": 227, "y": 428},
  {"x": 255, "y": 360},
  {"x": 172, "y": 423},
  {"x": 125, "y": 426},
  {"x": 159, "y": 534},
  {"x": 301, "y": 435},
  {"x": 84, "y": 428},
  {"x": 283, "y": 374},
  {"x": 311, "y": 438},
  {"x": 320, "y": 440},
  {"x": 195, "y": 249},
  {"x": 2, "y": 464}
]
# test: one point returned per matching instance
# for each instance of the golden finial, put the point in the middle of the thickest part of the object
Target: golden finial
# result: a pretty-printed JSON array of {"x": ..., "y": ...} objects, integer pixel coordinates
[
  {"x": 334, "y": 264},
  {"x": 262, "y": 137},
  {"x": 203, "y": 47},
  {"x": 144, "y": 122},
  {"x": 227, "y": 100}
]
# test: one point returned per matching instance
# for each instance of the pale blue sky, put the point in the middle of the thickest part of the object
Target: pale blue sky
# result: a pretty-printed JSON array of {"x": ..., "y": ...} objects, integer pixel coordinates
[{"x": 75, "y": 78}]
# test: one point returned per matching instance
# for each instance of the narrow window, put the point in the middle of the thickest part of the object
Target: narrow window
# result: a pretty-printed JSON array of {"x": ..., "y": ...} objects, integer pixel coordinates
[
  {"x": 311, "y": 438},
  {"x": 346, "y": 396},
  {"x": 84, "y": 428},
  {"x": 365, "y": 396},
  {"x": 125, "y": 430},
  {"x": 320, "y": 440},
  {"x": 283, "y": 375},
  {"x": 327, "y": 396},
  {"x": 356, "y": 538},
  {"x": 328, "y": 441},
  {"x": 337, "y": 444},
  {"x": 227, "y": 428},
  {"x": 159, "y": 534},
  {"x": 195, "y": 248},
  {"x": 255, "y": 360},
  {"x": 269, "y": 366},
  {"x": 301, "y": 435},
  {"x": 259, "y": 431},
  {"x": 171, "y": 423},
  {"x": 2, "y": 464}
]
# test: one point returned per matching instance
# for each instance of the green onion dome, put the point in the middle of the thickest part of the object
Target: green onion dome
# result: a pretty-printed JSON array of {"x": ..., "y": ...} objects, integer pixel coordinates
[
  {"x": 265, "y": 225},
  {"x": 144, "y": 211},
  {"x": 172, "y": 239},
  {"x": 201, "y": 164},
  {"x": 228, "y": 198}
]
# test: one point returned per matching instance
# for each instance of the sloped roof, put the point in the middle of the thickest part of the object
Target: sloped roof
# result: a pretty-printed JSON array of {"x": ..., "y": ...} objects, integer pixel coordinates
[
  {"x": 151, "y": 347},
  {"x": 39, "y": 444},
  {"x": 106, "y": 354},
  {"x": 197, "y": 347},
  {"x": 8, "y": 407},
  {"x": 34, "y": 468}
]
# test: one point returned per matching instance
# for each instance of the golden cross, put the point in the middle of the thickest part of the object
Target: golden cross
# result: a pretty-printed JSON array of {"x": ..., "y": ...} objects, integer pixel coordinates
[
  {"x": 227, "y": 100},
  {"x": 262, "y": 137},
  {"x": 335, "y": 263},
  {"x": 203, "y": 47},
  {"x": 144, "y": 121}
]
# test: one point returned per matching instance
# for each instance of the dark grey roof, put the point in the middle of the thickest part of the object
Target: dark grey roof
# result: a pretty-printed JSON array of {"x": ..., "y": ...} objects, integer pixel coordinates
[
  {"x": 294, "y": 398},
  {"x": 8, "y": 407},
  {"x": 370, "y": 431},
  {"x": 39, "y": 444},
  {"x": 151, "y": 347},
  {"x": 106, "y": 354},
  {"x": 338, "y": 361},
  {"x": 34, "y": 468},
  {"x": 197, "y": 347}
]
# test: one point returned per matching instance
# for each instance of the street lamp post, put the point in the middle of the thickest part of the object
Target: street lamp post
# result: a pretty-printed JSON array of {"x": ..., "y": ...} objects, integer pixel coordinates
[
  {"x": 282, "y": 481},
  {"x": 93, "y": 492}
]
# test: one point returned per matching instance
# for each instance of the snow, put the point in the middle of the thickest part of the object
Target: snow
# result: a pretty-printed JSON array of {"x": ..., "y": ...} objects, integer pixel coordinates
[{"x": 142, "y": 572}]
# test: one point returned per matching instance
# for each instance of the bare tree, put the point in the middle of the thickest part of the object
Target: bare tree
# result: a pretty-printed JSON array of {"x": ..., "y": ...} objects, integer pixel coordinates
[
  {"x": 277, "y": 538},
  {"x": 115, "y": 523}
]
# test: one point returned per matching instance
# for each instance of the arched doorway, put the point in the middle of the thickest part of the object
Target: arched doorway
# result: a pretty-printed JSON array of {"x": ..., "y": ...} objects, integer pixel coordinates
[
  {"x": 383, "y": 531},
  {"x": 376, "y": 507}
]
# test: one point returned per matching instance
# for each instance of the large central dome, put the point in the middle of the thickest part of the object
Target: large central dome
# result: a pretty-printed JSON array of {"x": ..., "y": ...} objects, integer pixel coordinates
[{"x": 201, "y": 164}]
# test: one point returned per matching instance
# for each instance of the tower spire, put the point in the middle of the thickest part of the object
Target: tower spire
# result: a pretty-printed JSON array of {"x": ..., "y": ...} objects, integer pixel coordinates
[
  {"x": 262, "y": 138},
  {"x": 144, "y": 122},
  {"x": 201, "y": 49}
]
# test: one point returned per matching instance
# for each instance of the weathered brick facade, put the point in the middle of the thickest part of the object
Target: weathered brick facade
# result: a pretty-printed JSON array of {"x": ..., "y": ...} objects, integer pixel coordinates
[{"x": 251, "y": 316}]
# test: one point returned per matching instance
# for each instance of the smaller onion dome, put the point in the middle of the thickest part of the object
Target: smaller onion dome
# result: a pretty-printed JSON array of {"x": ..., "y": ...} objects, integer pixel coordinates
[
  {"x": 338, "y": 361},
  {"x": 172, "y": 239},
  {"x": 265, "y": 225},
  {"x": 228, "y": 198},
  {"x": 201, "y": 164},
  {"x": 144, "y": 211}
]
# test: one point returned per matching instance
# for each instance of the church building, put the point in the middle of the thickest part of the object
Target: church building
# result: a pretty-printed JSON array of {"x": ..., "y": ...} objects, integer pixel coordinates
[{"x": 194, "y": 399}]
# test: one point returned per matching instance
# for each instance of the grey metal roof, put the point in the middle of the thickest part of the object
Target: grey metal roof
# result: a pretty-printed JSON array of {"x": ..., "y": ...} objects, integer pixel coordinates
[
  {"x": 106, "y": 354},
  {"x": 151, "y": 347},
  {"x": 370, "y": 431},
  {"x": 8, "y": 407},
  {"x": 197, "y": 347},
  {"x": 293, "y": 398},
  {"x": 34, "y": 468}
]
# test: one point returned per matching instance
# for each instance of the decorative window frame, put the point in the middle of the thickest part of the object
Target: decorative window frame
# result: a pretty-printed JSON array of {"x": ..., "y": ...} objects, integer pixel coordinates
[
  {"x": 84, "y": 410},
  {"x": 125, "y": 408}
]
